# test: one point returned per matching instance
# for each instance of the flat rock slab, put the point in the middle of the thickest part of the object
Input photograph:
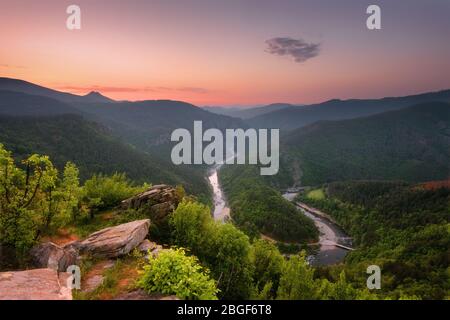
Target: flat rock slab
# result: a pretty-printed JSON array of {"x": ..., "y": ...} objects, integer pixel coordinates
[
  {"x": 36, "y": 284},
  {"x": 116, "y": 241}
]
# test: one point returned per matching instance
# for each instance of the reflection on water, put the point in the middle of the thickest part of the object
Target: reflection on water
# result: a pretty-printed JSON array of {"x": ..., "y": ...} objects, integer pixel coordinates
[
  {"x": 329, "y": 232},
  {"x": 221, "y": 211}
]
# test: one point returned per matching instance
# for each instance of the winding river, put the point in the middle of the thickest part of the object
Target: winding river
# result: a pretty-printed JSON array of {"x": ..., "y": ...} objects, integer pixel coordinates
[{"x": 330, "y": 233}]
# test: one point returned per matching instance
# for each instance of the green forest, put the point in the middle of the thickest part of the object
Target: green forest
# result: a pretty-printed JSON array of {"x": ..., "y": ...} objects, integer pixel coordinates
[
  {"x": 259, "y": 209},
  {"x": 404, "y": 228},
  {"x": 93, "y": 149},
  {"x": 214, "y": 259}
]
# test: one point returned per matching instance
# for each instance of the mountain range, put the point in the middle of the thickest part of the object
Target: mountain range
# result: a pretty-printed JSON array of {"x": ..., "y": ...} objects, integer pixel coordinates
[
  {"x": 293, "y": 118},
  {"x": 249, "y": 112},
  {"x": 17, "y": 85},
  {"x": 391, "y": 138}
]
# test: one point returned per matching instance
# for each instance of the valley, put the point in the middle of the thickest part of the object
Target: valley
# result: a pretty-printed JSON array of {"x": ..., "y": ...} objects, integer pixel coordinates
[{"x": 375, "y": 171}]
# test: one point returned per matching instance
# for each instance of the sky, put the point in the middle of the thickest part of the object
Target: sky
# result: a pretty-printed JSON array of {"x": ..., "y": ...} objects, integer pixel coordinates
[{"x": 229, "y": 52}]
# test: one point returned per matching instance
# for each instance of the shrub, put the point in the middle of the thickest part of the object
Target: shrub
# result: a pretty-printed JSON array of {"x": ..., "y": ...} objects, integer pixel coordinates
[
  {"x": 172, "y": 272},
  {"x": 102, "y": 192}
]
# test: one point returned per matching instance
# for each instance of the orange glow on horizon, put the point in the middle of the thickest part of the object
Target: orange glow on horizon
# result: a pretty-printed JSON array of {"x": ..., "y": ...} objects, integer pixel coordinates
[{"x": 208, "y": 55}]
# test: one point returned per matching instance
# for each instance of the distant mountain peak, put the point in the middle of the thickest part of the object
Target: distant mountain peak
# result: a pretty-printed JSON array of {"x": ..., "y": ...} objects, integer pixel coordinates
[
  {"x": 95, "y": 96},
  {"x": 18, "y": 85},
  {"x": 94, "y": 93}
]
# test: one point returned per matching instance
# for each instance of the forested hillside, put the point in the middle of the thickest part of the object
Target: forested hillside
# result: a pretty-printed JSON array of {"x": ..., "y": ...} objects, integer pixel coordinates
[
  {"x": 149, "y": 124},
  {"x": 402, "y": 228},
  {"x": 411, "y": 144},
  {"x": 92, "y": 148},
  {"x": 19, "y": 104},
  {"x": 249, "y": 112},
  {"x": 259, "y": 209}
]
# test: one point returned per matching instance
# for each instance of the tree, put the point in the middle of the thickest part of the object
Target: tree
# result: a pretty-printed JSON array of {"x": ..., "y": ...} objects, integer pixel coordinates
[
  {"x": 191, "y": 225},
  {"x": 22, "y": 194},
  {"x": 222, "y": 247},
  {"x": 297, "y": 280},
  {"x": 72, "y": 192},
  {"x": 267, "y": 265},
  {"x": 229, "y": 255}
]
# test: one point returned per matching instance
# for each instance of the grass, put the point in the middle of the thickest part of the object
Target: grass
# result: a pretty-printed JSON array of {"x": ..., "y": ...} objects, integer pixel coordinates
[
  {"x": 316, "y": 194},
  {"x": 120, "y": 278}
]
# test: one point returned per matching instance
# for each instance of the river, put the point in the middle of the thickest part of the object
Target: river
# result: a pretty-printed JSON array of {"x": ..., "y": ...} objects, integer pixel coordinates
[
  {"x": 329, "y": 232},
  {"x": 221, "y": 210}
]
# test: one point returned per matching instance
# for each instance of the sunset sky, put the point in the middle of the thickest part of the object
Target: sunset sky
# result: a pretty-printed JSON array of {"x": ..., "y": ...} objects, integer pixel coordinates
[{"x": 217, "y": 52}]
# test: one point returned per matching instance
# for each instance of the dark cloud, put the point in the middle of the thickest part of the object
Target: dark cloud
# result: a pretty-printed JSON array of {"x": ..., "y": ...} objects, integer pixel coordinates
[{"x": 296, "y": 48}]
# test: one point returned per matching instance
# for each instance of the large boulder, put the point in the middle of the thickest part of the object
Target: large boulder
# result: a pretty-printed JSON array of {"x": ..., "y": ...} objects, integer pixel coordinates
[
  {"x": 50, "y": 255},
  {"x": 36, "y": 284},
  {"x": 159, "y": 201},
  {"x": 115, "y": 241}
]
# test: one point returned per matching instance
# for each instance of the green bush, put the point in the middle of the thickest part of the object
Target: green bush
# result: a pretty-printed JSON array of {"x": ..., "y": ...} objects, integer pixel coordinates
[
  {"x": 220, "y": 246},
  {"x": 172, "y": 272},
  {"x": 102, "y": 192}
]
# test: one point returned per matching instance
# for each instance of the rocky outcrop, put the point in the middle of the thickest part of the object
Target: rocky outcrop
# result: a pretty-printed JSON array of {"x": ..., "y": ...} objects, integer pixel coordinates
[
  {"x": 159, "y": 201},
  {"x": 49, "y": 282},
  {"x": 36, "y": 284},
  {"x": 52, "y": 256},
  {"x": 115, "y": 241}
]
